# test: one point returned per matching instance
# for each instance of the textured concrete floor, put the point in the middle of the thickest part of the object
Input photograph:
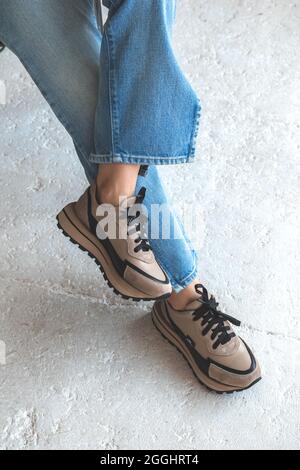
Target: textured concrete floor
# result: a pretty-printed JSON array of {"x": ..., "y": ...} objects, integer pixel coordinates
[{"x": 86, "y": 370}]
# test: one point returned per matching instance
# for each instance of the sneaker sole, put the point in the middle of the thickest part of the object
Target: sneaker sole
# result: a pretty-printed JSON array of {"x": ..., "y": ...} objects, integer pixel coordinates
[
  {"x": 77, "y": 233},
  {"x": 165, "y": 329}
]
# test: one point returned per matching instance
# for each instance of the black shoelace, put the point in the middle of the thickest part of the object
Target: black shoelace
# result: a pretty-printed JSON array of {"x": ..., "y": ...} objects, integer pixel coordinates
[
  {"x": 213, "y": 319},
  {"x": 142, "y": 243}
]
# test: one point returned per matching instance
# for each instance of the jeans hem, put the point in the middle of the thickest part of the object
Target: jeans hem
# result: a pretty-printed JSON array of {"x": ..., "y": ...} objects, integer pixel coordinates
[
  {"x": 186, "y": 281},
  {"x": 139, "y": 159}
]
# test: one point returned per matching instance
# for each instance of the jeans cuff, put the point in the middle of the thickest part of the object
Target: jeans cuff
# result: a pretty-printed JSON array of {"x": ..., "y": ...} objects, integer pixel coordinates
[
  {"x": 140, "y": 159},
  {"x": 186, "y": 281}
]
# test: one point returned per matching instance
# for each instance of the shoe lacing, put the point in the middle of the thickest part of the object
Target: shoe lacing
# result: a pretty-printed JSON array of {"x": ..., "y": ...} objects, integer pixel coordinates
[
  {"x": 213, "y": 319},
  {"x": 141, "y": 240}
]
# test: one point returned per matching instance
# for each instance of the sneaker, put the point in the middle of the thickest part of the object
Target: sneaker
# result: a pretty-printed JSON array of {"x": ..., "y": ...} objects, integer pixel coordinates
[
  {"x": 128, "y": 264},
  {"x": 219, "y": 359}
]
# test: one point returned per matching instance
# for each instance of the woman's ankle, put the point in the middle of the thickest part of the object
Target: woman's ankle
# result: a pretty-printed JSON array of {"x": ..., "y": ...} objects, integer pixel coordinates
[{"x": 115, "y": 181}]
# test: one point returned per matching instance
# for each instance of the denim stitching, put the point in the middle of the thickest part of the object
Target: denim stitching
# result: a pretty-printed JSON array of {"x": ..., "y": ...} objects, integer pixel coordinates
[
  {"x": 179, "y": 285},
  {"x": 109, "y": 90},
  {"x": 126, "y": 155},
  {"x": 154, "y": 160},
  {"x": 113, "y": 91},
  {"x": 196, "y": 130}
]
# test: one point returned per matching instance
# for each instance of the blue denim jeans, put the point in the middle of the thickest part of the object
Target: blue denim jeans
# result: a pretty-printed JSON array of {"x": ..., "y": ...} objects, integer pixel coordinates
[{"x": 120, "y": 95}]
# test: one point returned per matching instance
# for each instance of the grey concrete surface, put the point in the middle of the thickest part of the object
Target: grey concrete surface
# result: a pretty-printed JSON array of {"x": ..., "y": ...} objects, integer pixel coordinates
[{"x": 86, "y": 370}]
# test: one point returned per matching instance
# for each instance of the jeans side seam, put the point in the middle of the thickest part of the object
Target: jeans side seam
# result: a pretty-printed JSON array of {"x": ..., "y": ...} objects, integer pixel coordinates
[
  {"x": 195, "y": 132},
  {"x": 109, "y": 90},
  {"x": 115, "y": 133}
]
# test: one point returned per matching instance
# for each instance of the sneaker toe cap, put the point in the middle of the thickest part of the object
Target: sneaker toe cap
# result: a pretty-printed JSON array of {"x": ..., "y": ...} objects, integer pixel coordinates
[{"x": 242, "y": 372}]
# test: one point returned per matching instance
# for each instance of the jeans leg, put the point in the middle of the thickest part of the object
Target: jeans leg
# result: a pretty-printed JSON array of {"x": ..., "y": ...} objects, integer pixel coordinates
[
  {"x": 59, "y": 44},
  {"x": 151, "y": 111}
]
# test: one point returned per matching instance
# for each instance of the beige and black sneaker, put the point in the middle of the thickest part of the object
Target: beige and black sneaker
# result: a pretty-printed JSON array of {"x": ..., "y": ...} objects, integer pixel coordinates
[
  {"x": 128, "y": 264},
  {"x": 220, "y": 360}
]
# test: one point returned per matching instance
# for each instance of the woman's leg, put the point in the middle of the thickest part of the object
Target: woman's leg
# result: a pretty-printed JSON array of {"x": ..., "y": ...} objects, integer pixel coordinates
[
  {"x": 59, "y": 44},
  {"x": 115, "y": 181}
]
